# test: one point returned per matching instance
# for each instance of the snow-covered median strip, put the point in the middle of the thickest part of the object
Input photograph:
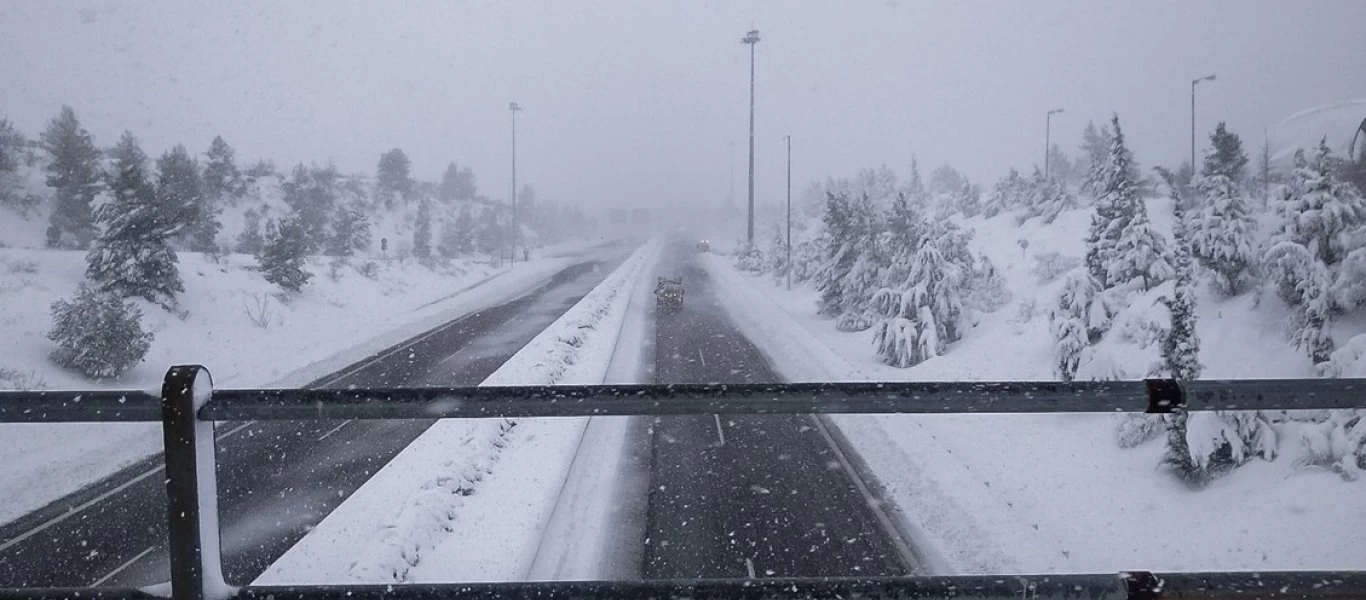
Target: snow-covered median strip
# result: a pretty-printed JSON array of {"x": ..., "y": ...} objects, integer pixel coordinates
[
  {"x": 469, "y": 498},
  {"x": 1050, "y": 493}
]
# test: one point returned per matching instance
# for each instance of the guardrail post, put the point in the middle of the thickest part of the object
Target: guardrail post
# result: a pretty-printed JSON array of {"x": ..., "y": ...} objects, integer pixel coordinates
[{"x": 191, "y": 486}]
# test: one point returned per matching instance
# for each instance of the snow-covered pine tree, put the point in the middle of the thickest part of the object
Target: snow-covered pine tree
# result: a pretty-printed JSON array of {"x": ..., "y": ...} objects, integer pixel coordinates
[
  {"x": 180, "y": 193},
  {"x": 74, "y": 175},
  {"x": 1320, "y": 211},
  {"x": 1224, "y": 232},
  {"x": 132, "y": 255},
  {"x": 914, "y": 187},
  {"x": 98, "y": 334},
  {"x": 922, "y": 299},
  {"x": 490, "y": 232},
  {"x": 250, "y": 240},
  {"x": 11, "y": 145},
  {"x": 282, "y": 256},
  {"x": 392, "y": 177},
  {"x": 1055, "y": 198},
  {"x": 1095, "y": 151},
  {"x": 464, "y": 230},
  {"x": 1077, "y": 321},
  {"x": 840, "y": 253},
  {"x": 422, "y": 231},
  {"x": 865, "y": 272},
  {"x": 1225, "y": 156},
  {"x": 1181, "y": 344},
  {"x": 312, "y": 193},
  {"x": 969, "y": 199},
  {"x": 222, "y": 180},
  {"x": 1005, "y": 195},
  {"x": 457, "y": 185},
  {"x": 1122, "y": 246},
  {"x": 350, "y": 231}
]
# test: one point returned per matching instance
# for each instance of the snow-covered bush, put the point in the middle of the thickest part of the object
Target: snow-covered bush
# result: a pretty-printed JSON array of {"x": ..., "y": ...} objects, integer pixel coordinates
[
  {"x": 752, "y": 261},
  {"x": 1337, "y": 444},
  {"x": 1134, "y": 429},
  {"x": 98, "y": 334},
  {"x": 987, "y": 290},
  {"x": 1049, "y": 265}
]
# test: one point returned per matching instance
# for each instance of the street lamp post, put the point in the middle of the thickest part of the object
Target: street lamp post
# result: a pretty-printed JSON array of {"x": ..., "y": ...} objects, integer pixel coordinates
[
  {"x": 751, "y": 38},
  {"x": 1047, "y": 139},
  {"x": 1193, "y": 82},
  {"x": 514, "y": 108},
  {"x": 789, "y": 211}
]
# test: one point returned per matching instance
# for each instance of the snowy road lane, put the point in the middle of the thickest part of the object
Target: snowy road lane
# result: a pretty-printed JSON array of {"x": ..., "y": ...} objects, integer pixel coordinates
[
  {"x": 746, "y": 496},
  {"x": 276, "y": 479}
]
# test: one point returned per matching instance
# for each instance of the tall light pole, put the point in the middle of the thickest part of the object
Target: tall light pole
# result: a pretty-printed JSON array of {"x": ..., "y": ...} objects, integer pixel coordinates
[
  {"x": 1048, "y": 139},
  {"x": 751, "y": 38},
  {"x": 1193, "y": 82},
  {"x": 789, "y": 212},
  {"x": 512, "y": 106}
]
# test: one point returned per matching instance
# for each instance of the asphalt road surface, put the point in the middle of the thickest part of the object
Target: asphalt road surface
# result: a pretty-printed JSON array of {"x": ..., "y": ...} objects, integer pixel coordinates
[
  {"x": 746, "y": 496},
  {"x": 276, "y": 479}
]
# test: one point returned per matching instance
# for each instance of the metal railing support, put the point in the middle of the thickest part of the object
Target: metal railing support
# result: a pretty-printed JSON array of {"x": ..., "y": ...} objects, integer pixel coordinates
[{"x": 191, "y": 486}]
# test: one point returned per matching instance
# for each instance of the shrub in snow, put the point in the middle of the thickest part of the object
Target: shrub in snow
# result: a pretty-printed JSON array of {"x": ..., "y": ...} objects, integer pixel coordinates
[
  {"x": 752, "y": 261},
  {"x": 422, "y": 232},
  {"x": 250, "y": 240},
  {"x": 1049, "y": 265},
  {"x": 1337, "y": 444},
  {"x": 986, "y": 290},
  {"x": 282, "y": 257},
  {"x": 1219, "y": 442},
  {"x": 1006, "y": 195},
  {"x": 98, "y": 334},
  {"x": 1135, "y": 429}
]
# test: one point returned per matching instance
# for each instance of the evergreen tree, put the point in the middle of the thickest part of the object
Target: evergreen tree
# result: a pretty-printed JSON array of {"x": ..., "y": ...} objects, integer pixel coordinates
[
  {"x": 1077, "y": 321},
  {"x": 222, "y": 180},
  {"x": 1061, "y": 167},
  {"x": 969, "y": 199},
  {"x": 350, "y": 231},
  {"x": 180, "y": 193},
  {"x": 98, "y": 334},
  {"x": 1005, "y": 195},
  {"x": 1223, "y": 235},
  {"x": 1095, "y": 152},
  {"x": 464, "y": 231},
  {"x": 914, "y": 187},
  {"x": 250, "y": 240},
  {"x": 490, "y": 233},
  {"x": 312, "y": 193},
  {"x": 132, "y": 256},
  {"x": 1320, "y": 211},
  {"x": 1225, "y": 156},
  {"x": 422, "y": 233},
  {"x": 865, "y": 272},
  {"x": 282, "y": 256},
  {"x": 393, "y": 178},
  {"x": 922, "y": 300},
  {"x": 1181, "y": 344},
  {"x": 74, "y": 175},
  {"x": 12, "y": 144},
  {"x": 1122, "y": 245},
  {"x": 457, "y": 185},
  {"x": 840, "y": 253}
]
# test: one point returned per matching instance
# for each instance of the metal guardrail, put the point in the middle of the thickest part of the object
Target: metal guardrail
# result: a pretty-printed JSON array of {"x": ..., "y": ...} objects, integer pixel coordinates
[{"x": 187, "y": 407}]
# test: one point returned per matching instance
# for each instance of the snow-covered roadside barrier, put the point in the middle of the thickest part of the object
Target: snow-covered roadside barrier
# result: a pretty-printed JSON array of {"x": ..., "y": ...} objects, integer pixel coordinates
[
  {"x": 469, "y": 498},
  {"x": 1053, "y": 493}
]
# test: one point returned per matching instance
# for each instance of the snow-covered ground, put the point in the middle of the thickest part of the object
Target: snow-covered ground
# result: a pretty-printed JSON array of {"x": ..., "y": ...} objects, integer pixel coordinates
[
  {"x": 1055, "y": 493},
  {"x": 232, "y": 321},
  {"x": 470, "y": 499}
]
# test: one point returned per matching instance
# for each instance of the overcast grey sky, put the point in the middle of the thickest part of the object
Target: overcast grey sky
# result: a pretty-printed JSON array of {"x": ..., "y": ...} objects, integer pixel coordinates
[{"x": 639, "y": 101}]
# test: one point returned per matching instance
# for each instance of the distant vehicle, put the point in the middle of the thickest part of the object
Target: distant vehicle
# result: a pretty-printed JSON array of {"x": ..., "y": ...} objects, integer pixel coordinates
[
  {"x": 669, "y": 294},
  {"x": 704, "y": 246}
]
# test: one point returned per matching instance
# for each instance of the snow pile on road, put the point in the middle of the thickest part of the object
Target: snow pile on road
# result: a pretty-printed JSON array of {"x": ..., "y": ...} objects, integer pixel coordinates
[
  {"x": 469, "y": 498},
  {"x": 230, "y": 320},
  {"x": 1054, "y": 493}
]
